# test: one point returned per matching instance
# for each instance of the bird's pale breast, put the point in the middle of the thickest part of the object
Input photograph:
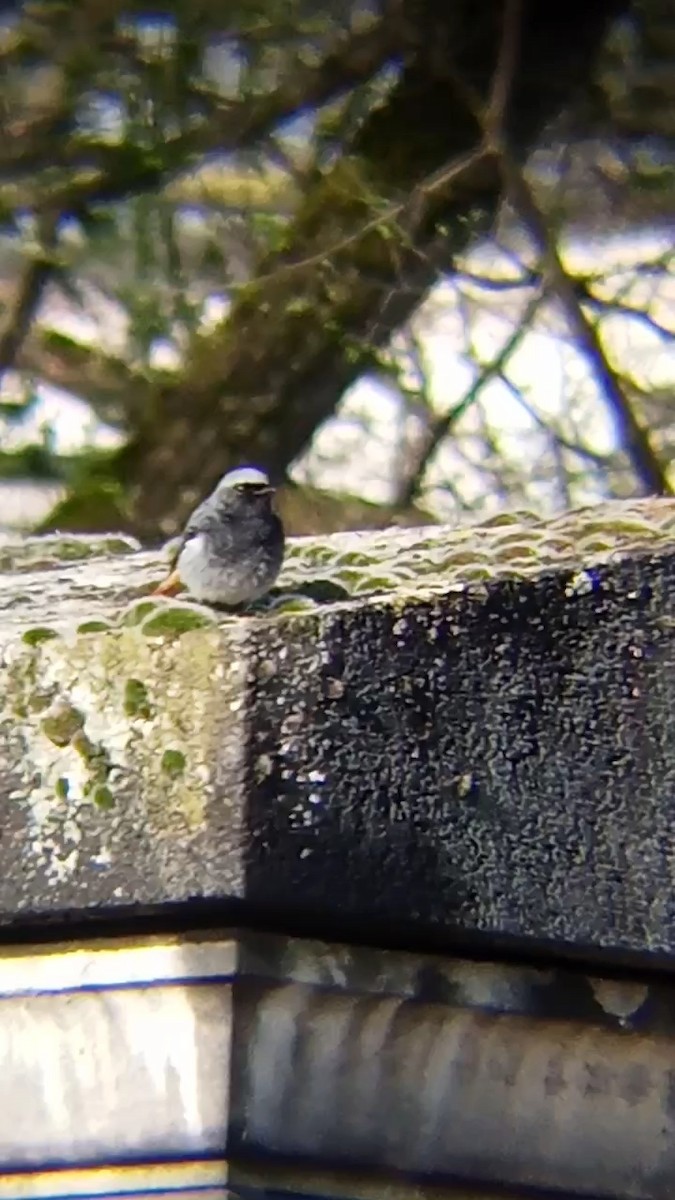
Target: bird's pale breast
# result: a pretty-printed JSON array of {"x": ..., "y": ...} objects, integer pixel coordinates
[{"x": 223, "y": 579}]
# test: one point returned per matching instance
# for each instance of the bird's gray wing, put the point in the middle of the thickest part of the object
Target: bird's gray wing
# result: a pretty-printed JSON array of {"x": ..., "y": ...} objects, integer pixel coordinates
[
  {"x": 196, "y": 523},
  {"x": 206, "y": 518}
]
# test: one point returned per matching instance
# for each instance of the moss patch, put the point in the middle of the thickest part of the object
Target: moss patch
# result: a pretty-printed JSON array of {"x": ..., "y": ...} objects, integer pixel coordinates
[
  {"x": 102, "y": 797},
  {"x": 136, "y": 702},
  {"x": 171, "y": 620},
  {"x": 62, "y": 724},
  {"x": 40, "y": 633},
  {"x": 173, "y": 763},
  {"x": 136, "y": 613},
  {"x": 52, "y": 550},
  {"x": 94, "y": 626}
]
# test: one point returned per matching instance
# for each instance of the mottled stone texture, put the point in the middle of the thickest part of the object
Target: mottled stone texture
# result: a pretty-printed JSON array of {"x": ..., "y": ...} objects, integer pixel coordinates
[
  {"x": 502, "y": 762},
  {"x": 495, "y": 757}
]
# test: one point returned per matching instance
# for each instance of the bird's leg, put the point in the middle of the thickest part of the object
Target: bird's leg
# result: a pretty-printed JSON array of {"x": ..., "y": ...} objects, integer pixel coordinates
[{"x": 234, "y": 610}]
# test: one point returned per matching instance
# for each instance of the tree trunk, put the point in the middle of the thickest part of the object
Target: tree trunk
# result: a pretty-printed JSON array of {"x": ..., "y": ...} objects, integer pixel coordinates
[{"x": 305, "y": 329}]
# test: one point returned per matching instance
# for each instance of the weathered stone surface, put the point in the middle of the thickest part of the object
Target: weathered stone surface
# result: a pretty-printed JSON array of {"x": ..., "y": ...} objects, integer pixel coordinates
[
  {"x": 479, "y": 738},
  {"x": 278, "y": 1066}
]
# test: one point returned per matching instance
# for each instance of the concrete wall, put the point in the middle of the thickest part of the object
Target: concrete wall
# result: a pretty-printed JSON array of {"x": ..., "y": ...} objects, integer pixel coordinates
[{"x": 457, "y": 744}]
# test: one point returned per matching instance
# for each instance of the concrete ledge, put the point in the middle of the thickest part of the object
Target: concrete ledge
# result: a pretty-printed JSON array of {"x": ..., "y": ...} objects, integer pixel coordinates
[
  {"x": 296, "y": 1068},
  {"x": 477, "y": 739}
]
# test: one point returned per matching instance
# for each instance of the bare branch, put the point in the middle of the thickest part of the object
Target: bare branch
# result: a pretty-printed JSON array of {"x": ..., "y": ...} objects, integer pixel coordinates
[
  {"x": 495, "y": 114},
  {"x": 444, "y": 424},
  {"x": 37, "y": 272},
  {"x": 115, "y": 391},
  {"x": 489, "y": 283},
  {"x": 650, "y": 471},
  {"x": 565, "y": 443},
  {"x": 625, "y": 310},
  {"x": 406, "y": 215}
]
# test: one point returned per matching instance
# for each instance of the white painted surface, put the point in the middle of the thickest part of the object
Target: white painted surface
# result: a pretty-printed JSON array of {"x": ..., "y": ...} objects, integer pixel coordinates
[
  {"x": 112, "y": 1050},
  {"x": 64, "y": 968}
]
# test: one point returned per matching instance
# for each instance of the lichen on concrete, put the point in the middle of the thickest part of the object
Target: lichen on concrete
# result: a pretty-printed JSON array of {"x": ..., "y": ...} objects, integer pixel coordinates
[
  {"x": 51, "y": 551},
  {"x": 89, "y": 719},
  {"x": 56, "y": 582},
  {"x": 412, "y": 723}
]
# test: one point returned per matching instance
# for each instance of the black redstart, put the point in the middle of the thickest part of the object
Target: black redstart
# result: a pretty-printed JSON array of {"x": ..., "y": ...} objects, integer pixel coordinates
[{"x": 232, "y": 547}]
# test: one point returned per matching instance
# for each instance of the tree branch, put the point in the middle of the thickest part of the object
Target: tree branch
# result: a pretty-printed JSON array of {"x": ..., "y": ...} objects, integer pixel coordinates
[
  {"x": 624, "y": 310},
  {"x": 95, "y": 171},
  {"x": 650, "y": 471},
  {"x": 445, "y": 423},
  {"x": 584, "y": 452},
  {"x": 21, "y": 312},
  {"x": 635, "y": 439},
  {"x": 115, "y": 391}
]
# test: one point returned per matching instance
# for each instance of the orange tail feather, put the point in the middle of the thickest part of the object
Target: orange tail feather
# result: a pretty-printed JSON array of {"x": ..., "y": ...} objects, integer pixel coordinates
[{"x": 170, "y": 586}]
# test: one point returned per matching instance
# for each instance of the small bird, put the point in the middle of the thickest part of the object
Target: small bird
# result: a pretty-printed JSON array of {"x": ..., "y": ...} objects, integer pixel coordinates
[{"x": 232, "y": 547}]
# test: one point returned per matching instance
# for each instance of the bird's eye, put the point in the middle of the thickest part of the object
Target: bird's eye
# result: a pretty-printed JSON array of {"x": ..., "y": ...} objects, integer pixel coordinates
[{"x": 251, "y": 489}]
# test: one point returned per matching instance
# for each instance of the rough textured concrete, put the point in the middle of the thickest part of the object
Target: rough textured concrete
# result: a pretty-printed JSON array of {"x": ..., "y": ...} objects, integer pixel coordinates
[
  {"x": 264, "y": 1063},
  {"x": 478, "y": 736}
]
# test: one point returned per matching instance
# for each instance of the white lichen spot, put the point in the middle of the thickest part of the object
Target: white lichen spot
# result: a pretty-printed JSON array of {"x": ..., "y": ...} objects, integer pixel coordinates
[
  {"x": 263, "y": 766},
  {"x": 60, "y": 867},
  {"x": 581, "y": 583},
  {"x": 71, "y": 831},
  {"x": 300, "y": 817}
]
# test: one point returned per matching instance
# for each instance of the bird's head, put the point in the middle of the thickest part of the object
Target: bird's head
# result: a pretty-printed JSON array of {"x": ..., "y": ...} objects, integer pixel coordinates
[{"x": 246, "y": 488}]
